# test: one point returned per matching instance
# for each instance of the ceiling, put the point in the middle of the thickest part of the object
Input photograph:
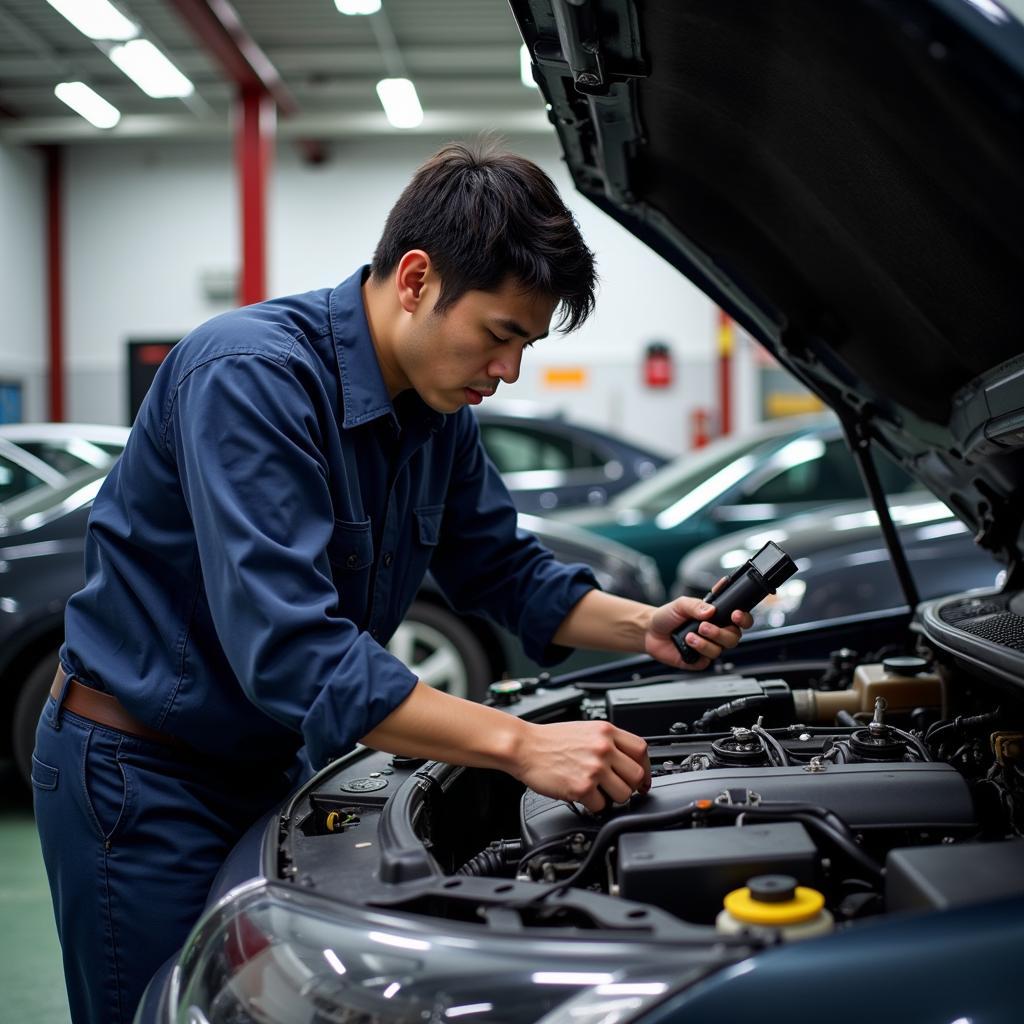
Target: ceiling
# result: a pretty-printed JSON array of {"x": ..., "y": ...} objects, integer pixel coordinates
[{"x": 462, "y": 55}]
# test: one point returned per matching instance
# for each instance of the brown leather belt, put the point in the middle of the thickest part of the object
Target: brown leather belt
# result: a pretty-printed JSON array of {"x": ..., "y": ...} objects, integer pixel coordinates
[{"x": 104, "y": 709}]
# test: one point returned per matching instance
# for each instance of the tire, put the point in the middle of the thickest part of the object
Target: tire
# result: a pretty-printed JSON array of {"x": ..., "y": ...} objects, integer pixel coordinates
[
  {"x": 29, "y": 704},
  {"x": 443, "y": 651}
]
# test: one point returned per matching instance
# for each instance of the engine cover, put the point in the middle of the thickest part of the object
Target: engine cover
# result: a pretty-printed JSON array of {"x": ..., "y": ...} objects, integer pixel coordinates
[{"x": 908, "y": 796}]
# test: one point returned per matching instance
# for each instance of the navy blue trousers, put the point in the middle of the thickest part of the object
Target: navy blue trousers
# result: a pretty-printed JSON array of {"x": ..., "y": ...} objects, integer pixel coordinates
[{"x": 133, "y": 834}]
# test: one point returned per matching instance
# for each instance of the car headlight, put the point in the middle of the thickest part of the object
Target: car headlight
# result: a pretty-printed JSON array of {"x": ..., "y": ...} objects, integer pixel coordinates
[{"x": 270, "y": 953}]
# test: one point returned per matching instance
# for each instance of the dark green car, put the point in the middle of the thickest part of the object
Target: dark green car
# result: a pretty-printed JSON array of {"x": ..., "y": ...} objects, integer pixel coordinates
[{"x": 788, "y": 467}]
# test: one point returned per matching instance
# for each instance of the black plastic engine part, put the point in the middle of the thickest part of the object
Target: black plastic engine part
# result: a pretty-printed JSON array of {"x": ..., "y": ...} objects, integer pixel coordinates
[
  {"x": 652, "y": 710},
  {"x": 689, "y": 871},
  {"x": 937, "y": 877},
  {"x": 930, "y": 797}
]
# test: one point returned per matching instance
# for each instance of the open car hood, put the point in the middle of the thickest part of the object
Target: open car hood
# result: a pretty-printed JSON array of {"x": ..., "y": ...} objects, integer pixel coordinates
[{"x": 845, "y": 181}]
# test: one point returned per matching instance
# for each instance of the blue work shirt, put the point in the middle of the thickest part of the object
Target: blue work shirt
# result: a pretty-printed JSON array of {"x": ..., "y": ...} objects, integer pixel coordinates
[{"x": 268, "y": 525}]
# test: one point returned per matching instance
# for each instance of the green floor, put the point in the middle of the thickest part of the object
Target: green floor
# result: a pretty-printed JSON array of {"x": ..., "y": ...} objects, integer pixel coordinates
[{"x": 31, "y": 979}]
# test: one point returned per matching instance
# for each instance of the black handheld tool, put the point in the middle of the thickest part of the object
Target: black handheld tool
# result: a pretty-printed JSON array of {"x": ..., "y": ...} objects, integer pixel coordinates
[{"x": 750, "y": 584}]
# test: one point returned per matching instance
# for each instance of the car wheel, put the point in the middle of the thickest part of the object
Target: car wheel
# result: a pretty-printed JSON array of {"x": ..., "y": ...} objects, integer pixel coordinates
[
  {"x": 26, "y": 713},
  {"x": 442, "y": 650}
]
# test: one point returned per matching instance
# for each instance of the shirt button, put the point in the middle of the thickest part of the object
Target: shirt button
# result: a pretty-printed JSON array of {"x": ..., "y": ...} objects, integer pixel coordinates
[
  {"x": 388, "y": 559},
  {"x": 352, "y": 561}
]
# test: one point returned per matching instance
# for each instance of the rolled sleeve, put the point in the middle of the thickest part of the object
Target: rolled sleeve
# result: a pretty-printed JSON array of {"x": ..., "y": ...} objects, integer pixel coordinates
[
  {"x": 257, "y": 487},
  {"x": 487, "y": 565}
]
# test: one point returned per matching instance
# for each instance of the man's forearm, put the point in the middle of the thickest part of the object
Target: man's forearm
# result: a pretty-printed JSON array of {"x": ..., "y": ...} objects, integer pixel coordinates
[
  {"x": 591, "y": 762},
  {"x": 604, "y": 622},
  {"x": 430, "y": 723}
]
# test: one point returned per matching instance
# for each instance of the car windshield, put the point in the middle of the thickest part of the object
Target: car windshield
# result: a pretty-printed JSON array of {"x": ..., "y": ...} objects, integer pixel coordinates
[
  {"x": 81, "y": 486},
  {"x": 683, "y": 476},
  {"x": 16, "y": 479},
  {"x": 70, "y": 454}
]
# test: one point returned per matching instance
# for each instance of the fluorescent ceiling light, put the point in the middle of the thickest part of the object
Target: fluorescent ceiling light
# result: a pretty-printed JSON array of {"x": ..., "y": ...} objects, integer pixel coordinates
[
  {"x": 401, "y": 104},
  {"x": 93, "y": 107},
  {"x": 96, "y": 19},
  {"x": 357, "y": 6},
  {"x": 150, "y": 70},
  {"x": 526, "y": 67}
]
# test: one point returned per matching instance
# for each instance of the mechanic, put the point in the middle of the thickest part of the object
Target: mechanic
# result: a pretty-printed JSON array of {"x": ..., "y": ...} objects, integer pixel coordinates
[{"x": 295, "y": 469}]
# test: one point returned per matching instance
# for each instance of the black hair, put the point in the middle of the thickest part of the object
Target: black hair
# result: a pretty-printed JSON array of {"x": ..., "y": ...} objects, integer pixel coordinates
[{"x": 483, "y": 215}]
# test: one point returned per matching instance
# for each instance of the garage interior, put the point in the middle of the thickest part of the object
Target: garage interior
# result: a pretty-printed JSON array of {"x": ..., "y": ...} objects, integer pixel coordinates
[{"x": 166, "y": 161}]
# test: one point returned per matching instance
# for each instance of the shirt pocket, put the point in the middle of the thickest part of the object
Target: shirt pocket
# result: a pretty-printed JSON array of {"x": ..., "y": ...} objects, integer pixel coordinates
[
  {"x": 428, "y": 524},
  {"x": 350, "y": 548}
]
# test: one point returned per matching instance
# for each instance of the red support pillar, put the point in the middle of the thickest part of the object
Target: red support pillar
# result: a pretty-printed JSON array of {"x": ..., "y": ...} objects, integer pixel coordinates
[
  {"x": 55, "y": 282},
  {"x": 726, "y": 333},
  {"x": 254, "y": 149}
]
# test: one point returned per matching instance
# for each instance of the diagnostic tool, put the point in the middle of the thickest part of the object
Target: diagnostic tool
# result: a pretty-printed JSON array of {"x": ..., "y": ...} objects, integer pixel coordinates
[{"x": 750, "y": 584}]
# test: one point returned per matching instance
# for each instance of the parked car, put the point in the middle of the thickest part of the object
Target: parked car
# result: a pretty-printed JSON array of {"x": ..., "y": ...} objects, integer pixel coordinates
[
  {"x": 42, "y": 544},
  {"x": 20, "y": 471},
  {"x": 825, "y": 838},
  {"x": 845, "y": 567},
  {"x": 44, "y": 455},
  {"x": 755, "y": 478},
  {"x": 67, "y": 447},
  {"x": 548, "y": 462}
]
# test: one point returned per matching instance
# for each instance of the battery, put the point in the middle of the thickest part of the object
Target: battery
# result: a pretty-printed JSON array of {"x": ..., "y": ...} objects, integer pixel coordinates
[
  {"x": 689, "y": 871},
  {"x": 653, "y": 710}
]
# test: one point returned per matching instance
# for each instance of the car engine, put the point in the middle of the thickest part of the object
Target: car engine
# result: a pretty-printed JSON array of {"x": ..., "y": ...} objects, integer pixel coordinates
[
  {"x": 854, "y": 785},
  {"x": 857, "y": 787}
]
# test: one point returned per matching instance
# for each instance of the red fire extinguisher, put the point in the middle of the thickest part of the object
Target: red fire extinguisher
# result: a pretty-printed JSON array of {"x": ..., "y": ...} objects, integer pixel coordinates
[{"x": 658, "y": 370}]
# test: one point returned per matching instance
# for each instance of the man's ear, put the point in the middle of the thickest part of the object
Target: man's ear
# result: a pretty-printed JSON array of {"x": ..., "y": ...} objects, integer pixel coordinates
[{"x": 412, "y": 276}]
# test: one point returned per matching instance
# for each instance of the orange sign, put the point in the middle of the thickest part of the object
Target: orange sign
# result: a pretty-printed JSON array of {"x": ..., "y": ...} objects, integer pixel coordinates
[{"x": 565, "y": 377}]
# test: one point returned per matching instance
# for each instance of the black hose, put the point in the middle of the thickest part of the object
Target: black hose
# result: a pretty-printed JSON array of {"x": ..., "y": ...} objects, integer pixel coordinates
[
  {"x": 818, "y": 820},
  {"x": 770, "y": 744},
  {"x": 727, "y": 709},
  {"x": 496, "y": 858}
]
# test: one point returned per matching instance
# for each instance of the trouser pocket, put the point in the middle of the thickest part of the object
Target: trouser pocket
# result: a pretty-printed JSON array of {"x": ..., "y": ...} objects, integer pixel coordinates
[
  {"x": 44, "y": 776},
  {"x": 106, "y": 784}
]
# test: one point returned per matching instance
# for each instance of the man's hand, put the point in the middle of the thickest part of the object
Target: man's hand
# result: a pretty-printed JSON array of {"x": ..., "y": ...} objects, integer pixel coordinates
[
  {"x": 710, "y": 641},
  {"x": 570, "y": 760}
]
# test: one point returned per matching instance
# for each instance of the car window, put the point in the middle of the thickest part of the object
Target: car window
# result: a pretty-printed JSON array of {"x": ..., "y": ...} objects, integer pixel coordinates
[
  {"x": 67, "y": 456},
  {"x": 829, "y": 475},
  {"x": 519, "y": 451},
  {"x": 79, "y": 486},
  {"x": 15, "y": 479},
  {"x": 669, "y": 486}
]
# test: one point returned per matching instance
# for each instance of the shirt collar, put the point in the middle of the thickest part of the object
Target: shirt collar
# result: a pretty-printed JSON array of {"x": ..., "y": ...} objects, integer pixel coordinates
[{"x": 364, "y": 394}]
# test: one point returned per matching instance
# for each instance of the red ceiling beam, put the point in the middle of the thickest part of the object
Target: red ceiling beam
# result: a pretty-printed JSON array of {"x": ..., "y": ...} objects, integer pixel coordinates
[{"x": 218, "y": 27}]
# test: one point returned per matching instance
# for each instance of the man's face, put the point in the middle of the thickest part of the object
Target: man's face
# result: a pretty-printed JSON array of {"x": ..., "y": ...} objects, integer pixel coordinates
[{"x": 460, "y": 356}]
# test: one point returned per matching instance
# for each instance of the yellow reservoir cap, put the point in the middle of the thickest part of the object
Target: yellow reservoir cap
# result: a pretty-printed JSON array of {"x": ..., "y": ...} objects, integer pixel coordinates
[{"x": 805, "y": 904}]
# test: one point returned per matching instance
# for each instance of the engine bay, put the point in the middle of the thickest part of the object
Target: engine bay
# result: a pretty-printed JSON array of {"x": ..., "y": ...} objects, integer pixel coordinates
[{"x": 869, "y": 785}]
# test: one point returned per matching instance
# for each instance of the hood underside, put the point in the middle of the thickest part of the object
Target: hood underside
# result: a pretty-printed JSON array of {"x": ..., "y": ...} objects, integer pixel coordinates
[{"x": 844, "y": 180}]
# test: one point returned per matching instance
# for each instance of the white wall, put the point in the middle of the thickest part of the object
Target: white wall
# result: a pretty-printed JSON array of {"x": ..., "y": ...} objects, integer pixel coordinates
[
  {"x": 23, "y": 328},
  {"x": 142, "y": 222},
  {"x": 145, "y": 221}
]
